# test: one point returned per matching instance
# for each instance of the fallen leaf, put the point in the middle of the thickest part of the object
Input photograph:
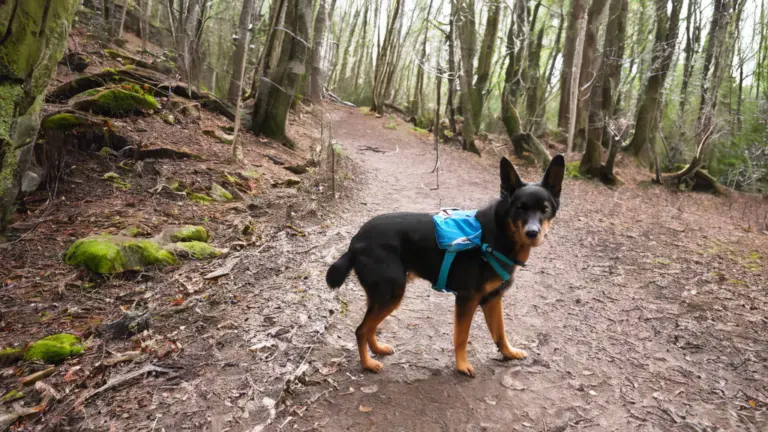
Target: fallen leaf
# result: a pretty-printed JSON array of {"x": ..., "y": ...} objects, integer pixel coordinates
[
  {"x": 512, "y": 384},
  {"x": 350, "y": 391},
  {"x": 753, "y": 403},
  {"x": 327, "y": 370},
  {"x": 592, "y": 393},
  {"x": 369, "y": 389},
  {"x": 365, "y": 409}
]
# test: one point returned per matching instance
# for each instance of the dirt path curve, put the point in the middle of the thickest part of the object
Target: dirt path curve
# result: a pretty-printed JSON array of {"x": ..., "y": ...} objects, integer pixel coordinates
[{"x": 631, "y": 318}]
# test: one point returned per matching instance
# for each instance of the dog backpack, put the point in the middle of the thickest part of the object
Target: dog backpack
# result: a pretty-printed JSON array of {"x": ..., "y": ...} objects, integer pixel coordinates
[{"x": 457, "y": 231}]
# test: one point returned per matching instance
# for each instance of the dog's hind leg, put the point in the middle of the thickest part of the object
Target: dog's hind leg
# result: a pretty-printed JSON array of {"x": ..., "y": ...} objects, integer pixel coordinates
[
  {"x": 494, "y": 317},
  {"x": 384, "y": 283},
  {"x": 465, "y": 311}
]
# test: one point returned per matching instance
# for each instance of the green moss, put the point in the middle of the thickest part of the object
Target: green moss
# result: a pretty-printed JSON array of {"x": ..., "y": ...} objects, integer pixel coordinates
[
  {"x": 418, "y": 129},
  {"x": 150, "y": 253},
  {"x": 10, "y": 355},
  {"x": 196, "y": 249},
  {"x": 199, "y": 198},
  {"x": 99, "y": 255},
  {"x": 106, "y": 151},
  {"x": 63, "y": 121},
  {"x": 54, "y": 349},
  {"x": 11, "y": 396},
  {"x": 114, "y": 254},
  {"x": 115, "y": 102},
  {"x": 219, "y": 193},
  {"x": 108, "y": 70},
  {"x": 116, "y": 181},
  {"x": 391, "y": 125},
  {"x": 572, "y": 170},
  {"x": 190, "y": 233},
  {"x": 131, "y": 231}
]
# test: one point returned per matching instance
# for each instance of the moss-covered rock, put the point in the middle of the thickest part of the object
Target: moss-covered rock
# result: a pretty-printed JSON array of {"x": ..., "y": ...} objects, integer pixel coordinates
[
  {"x": 117, "y": 181},
  {"x": 188, "y": 233},
  {"x": 195, "y": 249},
  {"x": 64, "y": 121},
  {"x": 115, "y": 101},
  {"x": 54, "y": 349},
  {"x": 218, "y": 193},
  {"x": 10, "y": 355},
  {"x": 199, "y": 198},
  {"x": 114, "y": 254}
]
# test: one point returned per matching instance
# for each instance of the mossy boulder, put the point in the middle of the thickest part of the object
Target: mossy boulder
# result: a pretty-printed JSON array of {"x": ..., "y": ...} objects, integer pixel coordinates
[
  {"x": 195, "y": 249},
  {"x": 115, "y": 101},
  {"x": 64, "y": 121},
  {"x": 117, "y": 181},
  {"x": 218, "y": 193},
  {"x": 188, "y": 233},
  {"x": 10, "y": 355},
  {"x": 114, "y": 254},
  {"x": 54, "y": 349}
]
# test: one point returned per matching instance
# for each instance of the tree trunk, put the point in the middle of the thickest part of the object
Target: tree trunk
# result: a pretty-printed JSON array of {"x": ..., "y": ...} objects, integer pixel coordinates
[
  {"x": 571, "y": 37},
  {"x": 418, "y": 91},
  {"x": 381, "y": 71},
  {"x": 34, "y": 39},
  {"x": 122, "y": 19},
  {"x": 361, "y": 52},
  {"x": 512, "y": 77},
  {"x": 317, "y": 74},
  {"x": 341, "y": 76},
  {"x": 240, "y": 53},
  {"x": 652, "y": 107},
  {"x": 452, "y": 69},
  {"x": 692, "y": 38},
  {"x": 483, "y": 73},
  {"x": 466, "y": 25},
  {"x": 551, "y": 68},
  {"x": 532, "y": 88},
  {"x": 275, "y": 97},
  {"x": 188, "y": 38}
]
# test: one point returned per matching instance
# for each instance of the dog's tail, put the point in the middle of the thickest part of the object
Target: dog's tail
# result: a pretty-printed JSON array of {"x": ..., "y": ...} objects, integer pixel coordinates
[{"x": 339, "y": 270}]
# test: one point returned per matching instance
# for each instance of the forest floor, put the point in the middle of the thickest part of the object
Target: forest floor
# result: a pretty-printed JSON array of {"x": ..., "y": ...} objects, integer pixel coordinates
[{"x": 643, "y": 310}]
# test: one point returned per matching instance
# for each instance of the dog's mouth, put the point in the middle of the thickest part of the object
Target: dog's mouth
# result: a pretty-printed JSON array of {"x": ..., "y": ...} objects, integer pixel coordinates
[{"x": 532, "y": 233}]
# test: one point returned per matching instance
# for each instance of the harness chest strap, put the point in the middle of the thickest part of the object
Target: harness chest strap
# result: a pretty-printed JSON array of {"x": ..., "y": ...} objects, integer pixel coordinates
[{"x": 489, "y": 254}]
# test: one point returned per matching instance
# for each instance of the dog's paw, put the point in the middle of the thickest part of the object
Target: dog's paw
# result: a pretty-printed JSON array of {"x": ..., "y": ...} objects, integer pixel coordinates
[
  {"x": 510, "y": 353},
  {"x": 383, "y": 350},
  {"x": 466, "y": 369},
  {"x": 373, "y": 366}
]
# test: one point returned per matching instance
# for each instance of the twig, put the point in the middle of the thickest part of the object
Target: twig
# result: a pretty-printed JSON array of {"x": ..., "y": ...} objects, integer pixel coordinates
[
  {"x": 37, "y": 376},
  {"x": 126, "y": 377}
]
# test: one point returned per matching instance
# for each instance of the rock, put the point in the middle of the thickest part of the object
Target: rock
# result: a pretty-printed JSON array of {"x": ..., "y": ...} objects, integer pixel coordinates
[
  {"x": 195, "y": 249},
  {"x": 130, "y": 324},
  {"x": 29, "y": 182},
  {"x": 75, "y": 61},
  {"x": 129, "y": 60},
  {"x": 168, "y": 118},
  {"x": 116, "y": 181},
  {"x": 289, "y": 182},
  {"x": 114, "y": 254},
  {"x": 10, "y": 355},
  {"x": 186, "y": 233},
  {"x": 54, "y": 349},
  {"x": 120, "y": 101},
  {"x": 218, "y": 193},
  {"x": 106, "y": 151}
]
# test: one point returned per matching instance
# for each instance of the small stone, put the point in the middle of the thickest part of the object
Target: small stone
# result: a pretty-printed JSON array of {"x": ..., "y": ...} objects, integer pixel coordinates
[{"x": 29, "y": 182}]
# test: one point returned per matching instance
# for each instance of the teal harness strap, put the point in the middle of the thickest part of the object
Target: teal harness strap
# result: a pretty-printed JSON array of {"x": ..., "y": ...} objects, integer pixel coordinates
[
  {"x": 491, "y": 256},
  {"x": 444, "y": 269}
]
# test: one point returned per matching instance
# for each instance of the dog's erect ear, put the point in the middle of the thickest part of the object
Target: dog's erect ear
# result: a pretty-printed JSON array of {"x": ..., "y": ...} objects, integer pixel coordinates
[
  {"x": 510, "y": 180},
  {"x": 553, "y": 178}
]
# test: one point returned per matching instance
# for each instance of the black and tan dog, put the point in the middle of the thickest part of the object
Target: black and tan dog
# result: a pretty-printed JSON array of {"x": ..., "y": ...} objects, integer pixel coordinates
[{"x": 390, "y": 249}]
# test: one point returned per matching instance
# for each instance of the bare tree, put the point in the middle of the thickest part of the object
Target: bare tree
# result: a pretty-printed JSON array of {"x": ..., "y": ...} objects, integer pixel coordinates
[
  {"x": 317, "y": 74},
  {"x": 239, "y": 55}
]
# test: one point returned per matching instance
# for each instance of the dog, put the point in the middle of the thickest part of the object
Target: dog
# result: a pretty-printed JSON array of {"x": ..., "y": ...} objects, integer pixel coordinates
[{"x": 391, "y": 249}]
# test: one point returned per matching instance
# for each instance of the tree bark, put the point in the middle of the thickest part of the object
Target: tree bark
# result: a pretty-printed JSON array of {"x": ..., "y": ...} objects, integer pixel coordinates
[
  {"x": 240, "y": 53},
  {"x": 692, "y": 39},
  {"x": 483, "y": 72},
  {"x": 341, "y": 76},
  {"x": 467, "y": 40},
  {"x": 532, "y": 88},
  {"x": 33, "y": 42},
  {"x": 276, "y": 96},
  {"x": 380, "y": 74},
  {"x": 569, "y": 52},
  {"x": 418, "y": 91},
  {"x": 361, "y": 52},
  {"x": 652, "y": 107},
  {"x": 317, "y": 73},
  {"x": 512, "y": 82}
]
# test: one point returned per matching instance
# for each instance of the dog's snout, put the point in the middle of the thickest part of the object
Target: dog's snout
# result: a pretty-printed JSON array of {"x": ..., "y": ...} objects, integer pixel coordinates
[{"x": 531, "y": 233}]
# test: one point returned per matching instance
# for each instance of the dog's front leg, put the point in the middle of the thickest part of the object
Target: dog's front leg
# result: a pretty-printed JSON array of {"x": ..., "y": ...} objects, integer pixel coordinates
[
  {"x": 494, "y": 317},
  {"x": 465, "y": 311}
]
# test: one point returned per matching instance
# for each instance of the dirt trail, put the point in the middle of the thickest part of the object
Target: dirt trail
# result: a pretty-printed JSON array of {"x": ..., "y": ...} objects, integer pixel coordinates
[{"x": 644, "y": 310}]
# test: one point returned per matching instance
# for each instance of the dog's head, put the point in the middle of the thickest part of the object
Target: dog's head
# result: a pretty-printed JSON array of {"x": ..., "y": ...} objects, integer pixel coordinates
[{"x": 528, "y": 208}]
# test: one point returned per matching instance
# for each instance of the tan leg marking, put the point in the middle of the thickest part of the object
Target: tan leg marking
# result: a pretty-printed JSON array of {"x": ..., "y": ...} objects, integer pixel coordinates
[
  {"x": 463, "y": 321},
  {"x": 366, "y": 336},
  {"x": 494, "y": 317}
]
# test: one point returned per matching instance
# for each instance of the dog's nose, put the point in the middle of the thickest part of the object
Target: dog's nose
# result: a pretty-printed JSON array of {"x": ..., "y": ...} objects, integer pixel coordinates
[{"x": 532, "y": 233}]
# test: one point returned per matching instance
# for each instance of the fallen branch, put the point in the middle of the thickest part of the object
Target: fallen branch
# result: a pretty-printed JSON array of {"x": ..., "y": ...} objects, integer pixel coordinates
[
  {"x": 127, "y": 377},
  {"x": 37, "y": 376}
]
